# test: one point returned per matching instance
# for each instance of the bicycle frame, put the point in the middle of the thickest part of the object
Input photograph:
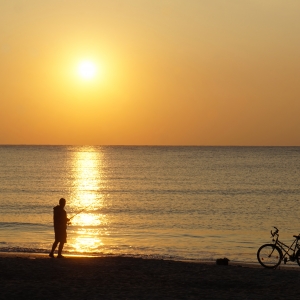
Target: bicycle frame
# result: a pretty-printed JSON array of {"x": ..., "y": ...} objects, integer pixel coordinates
[{"x": 285, "y": 248}]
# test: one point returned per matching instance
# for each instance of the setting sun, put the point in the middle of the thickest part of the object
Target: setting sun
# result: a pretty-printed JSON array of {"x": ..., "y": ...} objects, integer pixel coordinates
[{"x": 87, "y": 69}]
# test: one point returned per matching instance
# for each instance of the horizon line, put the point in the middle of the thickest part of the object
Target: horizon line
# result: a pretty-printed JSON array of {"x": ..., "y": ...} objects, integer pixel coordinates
[{"x": 146, "y": 145}]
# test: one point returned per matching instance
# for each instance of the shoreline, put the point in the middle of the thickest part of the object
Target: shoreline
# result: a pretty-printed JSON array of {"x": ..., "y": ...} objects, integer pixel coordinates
[
  {"x": 37, "y": 276},
  {"x": 34, "y": 255},
  {"x": 37, "y": 255}
]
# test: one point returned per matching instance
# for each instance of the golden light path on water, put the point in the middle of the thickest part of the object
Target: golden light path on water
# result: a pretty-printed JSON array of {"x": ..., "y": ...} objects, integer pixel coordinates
[{"x": 84, "y": 234}]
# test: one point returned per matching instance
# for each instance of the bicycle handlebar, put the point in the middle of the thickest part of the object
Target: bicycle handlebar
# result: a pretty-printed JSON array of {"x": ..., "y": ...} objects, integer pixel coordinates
[{"x": 275, "y": 232}]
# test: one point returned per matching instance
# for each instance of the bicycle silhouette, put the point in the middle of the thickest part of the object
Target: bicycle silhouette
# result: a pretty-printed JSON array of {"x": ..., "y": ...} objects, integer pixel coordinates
[{"x": 271, "y": 255}]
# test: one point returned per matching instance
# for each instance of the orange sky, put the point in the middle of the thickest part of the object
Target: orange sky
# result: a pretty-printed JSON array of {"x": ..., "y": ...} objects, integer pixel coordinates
[{"x": 170, "y": 72}]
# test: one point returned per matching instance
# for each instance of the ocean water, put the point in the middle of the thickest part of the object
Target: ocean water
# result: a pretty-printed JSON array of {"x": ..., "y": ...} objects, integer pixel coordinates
[{"x": 185, "y": 203}]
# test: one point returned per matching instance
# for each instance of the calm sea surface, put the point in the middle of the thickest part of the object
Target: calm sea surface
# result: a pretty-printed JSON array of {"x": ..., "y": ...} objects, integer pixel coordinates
[{"x": 198, "y": 203}]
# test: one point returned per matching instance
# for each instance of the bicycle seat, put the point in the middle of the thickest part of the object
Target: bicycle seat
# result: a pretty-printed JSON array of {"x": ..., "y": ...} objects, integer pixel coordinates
[{"x": 296, "y": 237}]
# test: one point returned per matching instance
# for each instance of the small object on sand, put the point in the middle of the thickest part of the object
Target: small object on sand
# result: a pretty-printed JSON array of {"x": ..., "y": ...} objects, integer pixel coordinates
[{"x": 222, "y": 261}]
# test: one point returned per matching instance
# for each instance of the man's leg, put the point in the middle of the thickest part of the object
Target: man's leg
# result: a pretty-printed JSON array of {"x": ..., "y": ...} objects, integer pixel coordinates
[
  {"x": 60, "y": 247},
  {"x": 53, "y": 248}
]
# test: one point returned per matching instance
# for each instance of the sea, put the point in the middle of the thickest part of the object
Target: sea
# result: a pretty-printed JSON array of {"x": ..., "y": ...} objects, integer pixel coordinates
[{"x": 165, "y": 202}]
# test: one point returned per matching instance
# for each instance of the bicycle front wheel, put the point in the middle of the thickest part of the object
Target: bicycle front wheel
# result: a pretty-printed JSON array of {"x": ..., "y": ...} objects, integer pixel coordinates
[{"x": 269, "y": 256}]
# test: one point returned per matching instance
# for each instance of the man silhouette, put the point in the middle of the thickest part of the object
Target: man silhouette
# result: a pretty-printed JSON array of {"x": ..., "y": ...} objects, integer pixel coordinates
[{"x": 60, "y": 221}]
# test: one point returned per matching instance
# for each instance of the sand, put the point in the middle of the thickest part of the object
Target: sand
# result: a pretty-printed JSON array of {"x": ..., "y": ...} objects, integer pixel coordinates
[{"x": 40, "y": 277}]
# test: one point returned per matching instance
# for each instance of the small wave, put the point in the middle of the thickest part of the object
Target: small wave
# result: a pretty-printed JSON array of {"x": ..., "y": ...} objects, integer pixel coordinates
[
  {"x": 17, "y": 224},
  {"x": 22, "y": 250}
]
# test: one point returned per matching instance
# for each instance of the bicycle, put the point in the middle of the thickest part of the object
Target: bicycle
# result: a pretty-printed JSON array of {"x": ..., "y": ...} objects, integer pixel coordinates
[{"x": 271, "y": 255}]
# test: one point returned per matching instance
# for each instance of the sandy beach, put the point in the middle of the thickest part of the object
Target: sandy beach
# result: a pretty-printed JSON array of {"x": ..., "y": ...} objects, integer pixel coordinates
[{"x": 40, "y": 277}]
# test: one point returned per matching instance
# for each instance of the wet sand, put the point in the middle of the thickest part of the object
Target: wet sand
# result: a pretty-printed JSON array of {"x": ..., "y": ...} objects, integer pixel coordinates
[{"x": 40, "y": 277}]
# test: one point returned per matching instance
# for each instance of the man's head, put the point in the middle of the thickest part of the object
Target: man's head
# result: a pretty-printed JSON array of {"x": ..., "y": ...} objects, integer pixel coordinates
[{"x": 62, "y": 202}]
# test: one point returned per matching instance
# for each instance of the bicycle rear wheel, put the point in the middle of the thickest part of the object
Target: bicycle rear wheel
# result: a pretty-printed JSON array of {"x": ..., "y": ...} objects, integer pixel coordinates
[
  {"x": 269, "y": 256},
  {"x": 298, "y": 257}
]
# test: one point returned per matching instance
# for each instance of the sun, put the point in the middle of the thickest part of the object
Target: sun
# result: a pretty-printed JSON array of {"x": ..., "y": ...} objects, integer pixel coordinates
[{"x": 87, "y": 69}]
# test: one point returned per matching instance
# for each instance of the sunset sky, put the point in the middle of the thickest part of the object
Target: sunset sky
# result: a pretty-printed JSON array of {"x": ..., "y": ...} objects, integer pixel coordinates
[{"x": 150, "y": 72}]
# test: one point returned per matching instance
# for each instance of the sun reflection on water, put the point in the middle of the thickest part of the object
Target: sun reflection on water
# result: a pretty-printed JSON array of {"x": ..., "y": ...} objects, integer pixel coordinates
[
  {"x": 86, "y": 202},
  {"x": 86, "y": 243},
  {"x": 85, "y": 219}
]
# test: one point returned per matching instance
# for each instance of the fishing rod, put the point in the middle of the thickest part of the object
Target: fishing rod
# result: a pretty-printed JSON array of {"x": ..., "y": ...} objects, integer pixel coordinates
[{"x": 69, "y": 222}]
